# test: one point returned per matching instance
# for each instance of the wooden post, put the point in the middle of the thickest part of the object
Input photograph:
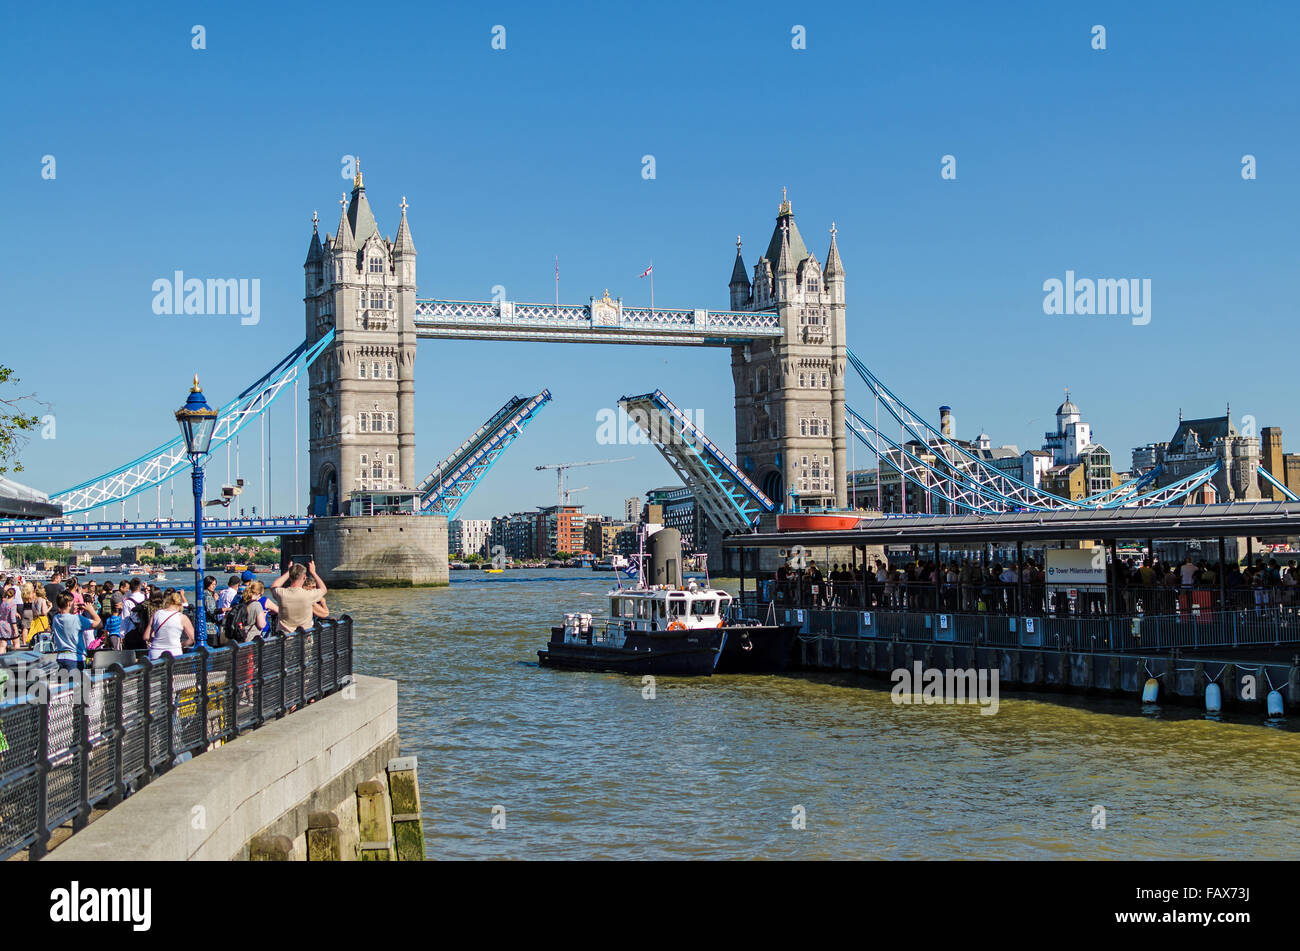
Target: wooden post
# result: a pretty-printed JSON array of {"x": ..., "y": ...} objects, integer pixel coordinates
[
  {"x": 270, "y": 848},
  {"x": 324, "y": 841},
  {"x": 372, "y": 818},
  {"x": 404, "y": 790}
]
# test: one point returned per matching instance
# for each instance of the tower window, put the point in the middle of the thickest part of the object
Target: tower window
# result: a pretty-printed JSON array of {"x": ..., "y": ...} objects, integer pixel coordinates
[
  {"x": 363, "y": 422},
  {"x": 376, "y": 265},
  {"x": 812, "y": 287},
  {"x": 389, "y": 369},
  {"x": 389, "y": 423},
  {"x": 361, "y": 370},
  {"x": 374, "y": 370}
]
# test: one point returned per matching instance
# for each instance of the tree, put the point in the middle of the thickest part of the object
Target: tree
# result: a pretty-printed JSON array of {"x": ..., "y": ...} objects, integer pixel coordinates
[{"x": 15, "y": 424}]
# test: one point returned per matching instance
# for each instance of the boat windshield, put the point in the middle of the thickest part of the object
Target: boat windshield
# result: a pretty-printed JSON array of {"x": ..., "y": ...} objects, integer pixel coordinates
[
  {"x": 704, "y": 607},
  {"x": 677, "y": 607}
]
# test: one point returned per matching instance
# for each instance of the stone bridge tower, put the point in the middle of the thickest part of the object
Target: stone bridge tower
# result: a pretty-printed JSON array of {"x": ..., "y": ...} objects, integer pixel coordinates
[
  {"x": 362, "y": 392},
  {"x": 790, "y": 436}
]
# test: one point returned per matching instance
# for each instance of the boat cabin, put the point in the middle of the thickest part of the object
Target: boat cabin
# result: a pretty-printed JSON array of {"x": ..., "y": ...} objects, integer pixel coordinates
[{"x": 662, "y": 609}]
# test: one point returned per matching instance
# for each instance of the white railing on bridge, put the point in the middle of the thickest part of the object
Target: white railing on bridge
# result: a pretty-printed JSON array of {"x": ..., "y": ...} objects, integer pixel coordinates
[{"x": 497, "y": 318}]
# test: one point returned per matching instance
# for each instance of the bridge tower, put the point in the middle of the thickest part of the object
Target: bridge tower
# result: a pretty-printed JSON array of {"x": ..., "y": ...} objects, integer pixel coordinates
[
  {"x": 362, "y": 393},
  {"x": 361, "y": 285},
  {"x": 790, "y": 436}
]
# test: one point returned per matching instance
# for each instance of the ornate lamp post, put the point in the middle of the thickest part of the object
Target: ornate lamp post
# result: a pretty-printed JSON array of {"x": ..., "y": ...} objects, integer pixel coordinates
[{"x": 197, "y": 421}]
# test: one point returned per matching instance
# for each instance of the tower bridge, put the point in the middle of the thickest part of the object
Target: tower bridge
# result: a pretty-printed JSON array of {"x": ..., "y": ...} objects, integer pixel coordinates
[{"x": 785, "y": 327}]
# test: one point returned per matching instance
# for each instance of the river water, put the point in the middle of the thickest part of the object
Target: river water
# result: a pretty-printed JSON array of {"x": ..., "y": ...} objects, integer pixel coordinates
[{"x": 583, "y": 766}]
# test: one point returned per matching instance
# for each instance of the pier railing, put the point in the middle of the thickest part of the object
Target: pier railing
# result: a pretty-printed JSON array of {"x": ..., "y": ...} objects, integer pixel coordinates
[
  {"x": 1262, "y": 626},
  {"x": 71, "y": 741}
]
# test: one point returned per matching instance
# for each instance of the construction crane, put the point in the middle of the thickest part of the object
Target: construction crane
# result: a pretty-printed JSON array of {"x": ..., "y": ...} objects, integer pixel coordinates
[
  {"x": 560, "y": 495},
  {"x": 568, "y": 492}
]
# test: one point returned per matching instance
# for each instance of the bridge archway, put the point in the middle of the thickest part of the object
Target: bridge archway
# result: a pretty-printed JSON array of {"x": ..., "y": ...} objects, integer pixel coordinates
[
  {"x": 774, "y": 488},
  {"x": 327, "y": 502}
]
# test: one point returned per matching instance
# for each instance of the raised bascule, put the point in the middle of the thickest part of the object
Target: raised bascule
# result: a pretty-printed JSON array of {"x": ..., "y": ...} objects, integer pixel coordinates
[{"x": 786, "y": 328}]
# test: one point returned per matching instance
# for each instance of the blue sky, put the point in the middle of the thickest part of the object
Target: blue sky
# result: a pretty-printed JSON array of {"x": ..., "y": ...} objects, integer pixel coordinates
[{"x": 1123, "y": 163}]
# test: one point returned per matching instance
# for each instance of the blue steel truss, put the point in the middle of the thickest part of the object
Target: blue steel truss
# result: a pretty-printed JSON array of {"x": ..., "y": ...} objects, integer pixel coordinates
[
  {"x": 56, "y": 531},
  {"x": 730, "y": 499},
  {"x": 955, "y": 485},
  {"x": 168, "y": 460},
  {"x": 447, "y": 487},
  {"x": 1268, "y": 476},
  {"x": 995, "y": 483}
]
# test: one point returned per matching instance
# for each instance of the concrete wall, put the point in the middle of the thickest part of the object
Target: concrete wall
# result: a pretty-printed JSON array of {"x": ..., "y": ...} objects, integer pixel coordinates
[
  {"x": 376, "y": 551},
  {"x": 265, "y": 782}
]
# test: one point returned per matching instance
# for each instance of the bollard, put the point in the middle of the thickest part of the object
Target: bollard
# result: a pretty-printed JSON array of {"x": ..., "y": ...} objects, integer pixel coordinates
[
  {"x": 270, "y": 848},
  {"x": 372, "y": 818},
  {"x": 404, "y": 790},
  {"x": 324, "y": 841}
]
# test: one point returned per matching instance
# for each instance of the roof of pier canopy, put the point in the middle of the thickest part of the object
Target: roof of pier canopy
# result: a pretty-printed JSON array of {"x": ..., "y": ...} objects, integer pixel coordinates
[
  {"x": 21, "y": 501},
  {"x": 1173, "y": 521}
]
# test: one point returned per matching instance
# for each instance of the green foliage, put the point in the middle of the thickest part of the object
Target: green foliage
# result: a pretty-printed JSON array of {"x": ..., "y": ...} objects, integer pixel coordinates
[{"x": 15, "y": 425}]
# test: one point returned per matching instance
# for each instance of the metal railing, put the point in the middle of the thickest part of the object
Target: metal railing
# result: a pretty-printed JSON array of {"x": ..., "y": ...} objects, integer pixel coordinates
[
  {"x": 1055, "y": 599},
  {"x": 1269, "y": 625},
  {"x": 74, "y": 740}
]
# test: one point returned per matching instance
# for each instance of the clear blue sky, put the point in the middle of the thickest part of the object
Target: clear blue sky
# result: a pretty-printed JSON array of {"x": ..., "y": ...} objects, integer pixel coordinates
[{"x": 1122, "y": 163}]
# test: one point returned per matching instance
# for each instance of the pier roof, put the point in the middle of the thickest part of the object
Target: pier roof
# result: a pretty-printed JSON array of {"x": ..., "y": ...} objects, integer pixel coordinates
[{"x": 1173, "y": 521}]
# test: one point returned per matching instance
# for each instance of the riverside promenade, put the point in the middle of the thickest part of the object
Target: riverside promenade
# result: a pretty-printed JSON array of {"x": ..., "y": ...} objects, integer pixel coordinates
[{"x": 270, "y": 749}]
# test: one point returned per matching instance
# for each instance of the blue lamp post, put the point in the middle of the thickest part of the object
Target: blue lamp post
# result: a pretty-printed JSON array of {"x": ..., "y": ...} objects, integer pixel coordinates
[{"x": 197, "y": 421}]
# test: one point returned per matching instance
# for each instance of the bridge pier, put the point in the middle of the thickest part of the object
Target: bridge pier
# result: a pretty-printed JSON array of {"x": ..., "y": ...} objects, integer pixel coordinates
[{"x": 375, "y": 551}]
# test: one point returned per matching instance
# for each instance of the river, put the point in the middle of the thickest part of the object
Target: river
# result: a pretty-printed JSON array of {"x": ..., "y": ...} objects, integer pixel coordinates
[{"x": 583, "y": 766}]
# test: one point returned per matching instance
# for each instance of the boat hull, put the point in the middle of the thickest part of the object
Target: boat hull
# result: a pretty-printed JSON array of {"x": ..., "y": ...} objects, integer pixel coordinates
[
  {"x": 759, "y": 649},
  {"x": 691, "y": 654}
]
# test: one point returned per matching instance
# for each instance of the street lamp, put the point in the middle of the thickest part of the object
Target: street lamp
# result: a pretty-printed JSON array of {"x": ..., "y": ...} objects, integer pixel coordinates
[{"x": 197, "y": 421}]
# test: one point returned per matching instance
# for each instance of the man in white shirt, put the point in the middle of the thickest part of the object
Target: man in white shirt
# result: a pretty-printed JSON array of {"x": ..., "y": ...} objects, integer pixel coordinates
[
  {"x": 134, "y": 598},
  {"x": 227, "y": 597},
  {"x": 1188, "y": 572}
]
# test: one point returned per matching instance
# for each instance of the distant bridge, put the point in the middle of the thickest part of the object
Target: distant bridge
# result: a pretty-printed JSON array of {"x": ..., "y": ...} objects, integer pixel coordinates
[{"x": 36, "y": 533}]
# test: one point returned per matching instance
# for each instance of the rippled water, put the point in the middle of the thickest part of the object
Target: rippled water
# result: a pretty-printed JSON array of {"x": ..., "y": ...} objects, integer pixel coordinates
[{"x": 713, "y": 767}]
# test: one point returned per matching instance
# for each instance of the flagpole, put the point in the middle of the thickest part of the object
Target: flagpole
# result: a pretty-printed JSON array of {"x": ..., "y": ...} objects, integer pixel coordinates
[
  {"x": 557, "y": 285},
  {"x": 652, "y": 284}
]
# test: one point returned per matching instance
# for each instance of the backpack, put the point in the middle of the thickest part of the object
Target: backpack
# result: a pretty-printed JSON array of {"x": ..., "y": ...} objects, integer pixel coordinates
[{"x": 239, "y": 624}]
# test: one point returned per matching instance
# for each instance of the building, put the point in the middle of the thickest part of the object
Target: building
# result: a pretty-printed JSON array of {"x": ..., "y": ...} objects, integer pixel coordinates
[
  {"x": 790, "y": 436},
  {"x": 559, "y": 528},
  {"x": 677, "y": 509},
  {"x": 1034, "y": 464},
  {"x": 604, "y": 536},
  {"x": 515, "y": 535},
  {"x": 1091, "y": 475},
  {"x": 361, "y": 397},
  {"x": 469, "y": 536},
  {"x": 1200, "y": 443},
  {"x": 632, "y": 509},
  {"x": 1283, "y": 466}
]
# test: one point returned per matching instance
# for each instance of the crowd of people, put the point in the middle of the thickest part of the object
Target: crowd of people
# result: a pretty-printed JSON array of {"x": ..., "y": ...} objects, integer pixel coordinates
[
  {"x": 73, "y": 619},
  {"x": 1139, "y": 586}
]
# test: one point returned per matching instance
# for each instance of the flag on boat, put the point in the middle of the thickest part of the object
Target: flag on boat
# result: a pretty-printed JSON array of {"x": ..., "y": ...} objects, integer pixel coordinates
[
  {"x": 647, "y": 270},
  {"x": 631, "y": 570}
]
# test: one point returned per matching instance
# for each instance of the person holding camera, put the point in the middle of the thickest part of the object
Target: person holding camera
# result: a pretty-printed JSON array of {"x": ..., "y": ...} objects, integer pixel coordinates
[{"x": 69, "y": 628}]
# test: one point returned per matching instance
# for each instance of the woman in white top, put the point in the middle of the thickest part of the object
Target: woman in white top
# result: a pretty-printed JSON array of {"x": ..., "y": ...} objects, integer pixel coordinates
[{"x": 170, "y": 631}]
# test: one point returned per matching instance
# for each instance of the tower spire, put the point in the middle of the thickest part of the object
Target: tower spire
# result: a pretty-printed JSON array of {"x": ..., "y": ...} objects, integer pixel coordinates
[{"x": 834, "y": 266}]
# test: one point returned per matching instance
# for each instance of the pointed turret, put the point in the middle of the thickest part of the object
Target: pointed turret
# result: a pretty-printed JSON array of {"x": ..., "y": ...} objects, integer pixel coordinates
[
  {"x": 403, "y": 244},
  {"x": 785, "y": 226},
  {"x": 343, "y": 240},
  {"x": 740, "y": 290},
  {"x": 834, "y": 267},
  {"x": 314, "y": 251},
  {"x": 360, "y": 218},
  {"x": 784, "y": 264}
]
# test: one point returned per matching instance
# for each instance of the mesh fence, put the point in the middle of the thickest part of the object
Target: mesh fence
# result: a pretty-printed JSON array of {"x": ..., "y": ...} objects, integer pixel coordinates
[
  {"x": 20, "y": 725},
  {"x": 272, "y": 677},
  {"x": 106, "y": 731}
]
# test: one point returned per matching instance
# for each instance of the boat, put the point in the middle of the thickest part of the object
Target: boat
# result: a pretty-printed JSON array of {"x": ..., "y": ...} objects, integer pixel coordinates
[
  {"x": 668, "y": 628},
  {"x": 493, "y": 571},
  {"x": 612, "y": 563}
]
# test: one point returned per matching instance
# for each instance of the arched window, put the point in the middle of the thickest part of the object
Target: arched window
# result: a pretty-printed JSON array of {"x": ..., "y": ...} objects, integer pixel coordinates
[
  {"x": 376, "y": 265},
  {"x": 803, "y": 427},
  {"x": 374, "y": 370},
  {"x": 377, "y": 470},
  {"x": 363, "y": 423},
  {"x": 390, "y": 422},
  {"x": 388, "y": 370},
  {"x": 801, "y": 379},
  {"x": 361, "y": 370}
]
